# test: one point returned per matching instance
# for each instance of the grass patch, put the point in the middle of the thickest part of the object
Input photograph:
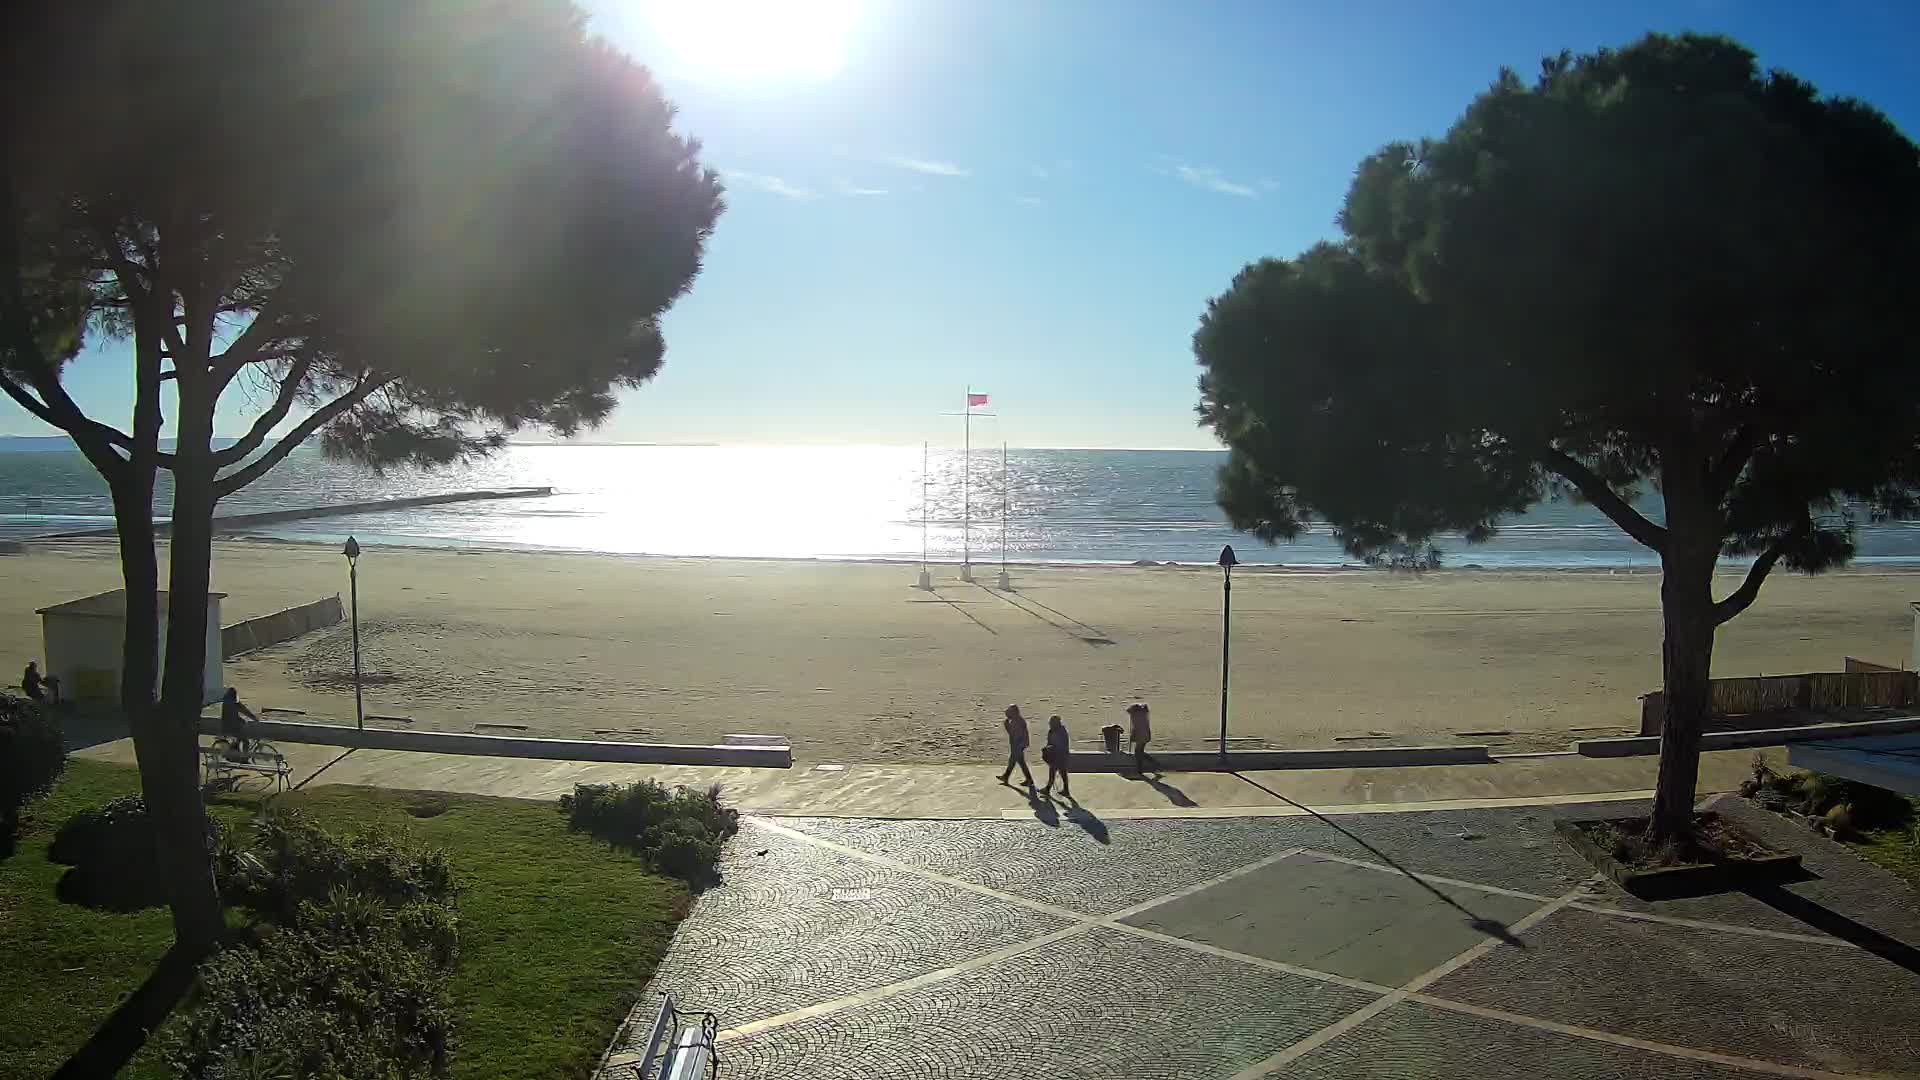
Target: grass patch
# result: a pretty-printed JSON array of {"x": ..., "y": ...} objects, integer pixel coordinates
[
  {"x": 1896, "y": 849},
  {"x": 557, "y": 932}
]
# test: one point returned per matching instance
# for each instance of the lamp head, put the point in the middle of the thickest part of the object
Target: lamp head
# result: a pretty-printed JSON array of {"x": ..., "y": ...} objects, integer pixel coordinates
[
  {"x": 1227, "y": 559},
  {"x": 352, "y": 550}
]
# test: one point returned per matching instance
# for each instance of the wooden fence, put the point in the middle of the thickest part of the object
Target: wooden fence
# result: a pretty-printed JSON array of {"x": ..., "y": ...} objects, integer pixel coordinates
[{"x": 1814, "y": 691}]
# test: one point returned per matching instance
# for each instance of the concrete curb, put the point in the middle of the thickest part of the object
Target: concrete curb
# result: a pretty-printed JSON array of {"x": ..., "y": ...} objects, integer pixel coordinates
[
  {"x": 442, "y": 742},
  {"x": 1238, "y": 760},
  {"x": 1638, "y": 745}
]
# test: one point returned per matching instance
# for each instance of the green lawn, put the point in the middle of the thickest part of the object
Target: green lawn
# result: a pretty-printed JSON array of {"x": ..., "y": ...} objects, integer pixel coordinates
[
  {"x": 557, "y": 933},
  {"x": 1897, "y": 849}
]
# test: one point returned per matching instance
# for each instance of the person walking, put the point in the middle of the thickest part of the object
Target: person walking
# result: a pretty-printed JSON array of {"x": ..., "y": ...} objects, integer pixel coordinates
[
  {"x": 1017, "y": 739},
  {"x": 1055, "y": 755},
  {"x": 1142, "y": 734}
]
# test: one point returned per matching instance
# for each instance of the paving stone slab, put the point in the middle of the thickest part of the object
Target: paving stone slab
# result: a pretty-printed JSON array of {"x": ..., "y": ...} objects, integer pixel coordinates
[
  {"x": 1415, "y": 1040},
  {"x": 1331, "y": 916},
  {"x": 1842, "y": 1010},
  {"x": 800, "y": 924},
  {"x": 1141, "y": 859},
  {"x": 1096, "y": 1006}
]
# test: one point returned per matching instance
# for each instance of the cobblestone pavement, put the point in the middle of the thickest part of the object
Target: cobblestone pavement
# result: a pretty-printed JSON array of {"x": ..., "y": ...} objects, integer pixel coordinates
[{"x": 1457, "y": 943}]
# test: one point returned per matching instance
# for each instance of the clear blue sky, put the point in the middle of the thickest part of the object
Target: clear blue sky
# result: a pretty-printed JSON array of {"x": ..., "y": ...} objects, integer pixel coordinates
[{"x": 1037, "y": 198}]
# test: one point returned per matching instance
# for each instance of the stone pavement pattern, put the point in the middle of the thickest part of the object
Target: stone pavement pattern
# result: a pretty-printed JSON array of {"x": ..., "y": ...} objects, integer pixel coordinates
[{"x": 1281, "y": 946}]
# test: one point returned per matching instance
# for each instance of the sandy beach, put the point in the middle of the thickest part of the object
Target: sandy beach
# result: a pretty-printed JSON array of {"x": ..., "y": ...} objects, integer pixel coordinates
[{"x": 854, "y": 664}]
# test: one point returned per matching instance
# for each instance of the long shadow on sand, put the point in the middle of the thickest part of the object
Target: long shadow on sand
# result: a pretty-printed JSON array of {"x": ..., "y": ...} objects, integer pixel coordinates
[{"x": 1072, "y": 627}]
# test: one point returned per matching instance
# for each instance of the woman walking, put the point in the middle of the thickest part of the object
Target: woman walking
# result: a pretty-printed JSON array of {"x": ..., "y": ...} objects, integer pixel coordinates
[
  {"x": 1142, "y": 734},
  {"x": 1016, "y": 726},
  {"x": 1055, "y": 755}
]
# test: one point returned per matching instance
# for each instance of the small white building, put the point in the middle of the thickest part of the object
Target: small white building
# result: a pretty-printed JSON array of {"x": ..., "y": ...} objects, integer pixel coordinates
[{"x": 82, "y": 640}]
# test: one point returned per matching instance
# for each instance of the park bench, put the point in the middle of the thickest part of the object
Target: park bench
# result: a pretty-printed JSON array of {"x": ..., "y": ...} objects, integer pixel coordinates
[
  {"x": 679, "y": 1045},
  {"x": 221, "y": 765}
]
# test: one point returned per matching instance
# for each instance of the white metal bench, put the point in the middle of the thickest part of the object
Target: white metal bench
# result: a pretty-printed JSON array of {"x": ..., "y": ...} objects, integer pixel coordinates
[
  {"x": 222, "y": 765},
  {"x": 679, "y": 1045}
]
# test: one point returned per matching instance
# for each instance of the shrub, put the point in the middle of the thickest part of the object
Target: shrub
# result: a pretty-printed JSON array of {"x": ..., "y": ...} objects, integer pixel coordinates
[
  {"x": 33, "y": 753},
  {"x": 306, "y": 1002},
  {"x": 110, "y": 849},
  {"x": 347, "y": 981},
  {"x": 299, "y": 862},
  {"x": 679, "y": 831}
]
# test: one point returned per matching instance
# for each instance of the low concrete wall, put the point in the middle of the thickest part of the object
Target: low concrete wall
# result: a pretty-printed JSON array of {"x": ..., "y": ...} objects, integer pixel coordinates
[
  {"x": 280, "y": 626},
  {"x": 1211, "y": 761},
  {"x": 1735, "y": 740},
  {"x": 446, "y": 742}
]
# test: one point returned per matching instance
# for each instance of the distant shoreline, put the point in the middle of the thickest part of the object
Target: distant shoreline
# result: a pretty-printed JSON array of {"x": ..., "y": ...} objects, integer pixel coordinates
[{"x": 985, "y": 569}]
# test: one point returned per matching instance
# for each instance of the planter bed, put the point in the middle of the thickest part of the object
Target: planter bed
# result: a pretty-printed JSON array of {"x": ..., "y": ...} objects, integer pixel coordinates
[{"x": 1724, "y": 857}]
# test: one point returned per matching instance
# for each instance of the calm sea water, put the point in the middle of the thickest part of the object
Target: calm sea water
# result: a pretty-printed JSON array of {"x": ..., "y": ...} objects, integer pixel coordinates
[{"x": 821, "y": 502}]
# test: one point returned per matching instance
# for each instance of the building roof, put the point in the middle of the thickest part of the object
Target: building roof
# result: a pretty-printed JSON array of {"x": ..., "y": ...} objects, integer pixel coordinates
[{"x": 107, "y": 605}]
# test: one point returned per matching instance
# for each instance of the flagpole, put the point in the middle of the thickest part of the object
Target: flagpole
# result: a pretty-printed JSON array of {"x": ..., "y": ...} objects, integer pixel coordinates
[
  {"x": 966, "y": 494},
  {"x": 926, "y": 576},
  {"x": 1006, "y": 501}
]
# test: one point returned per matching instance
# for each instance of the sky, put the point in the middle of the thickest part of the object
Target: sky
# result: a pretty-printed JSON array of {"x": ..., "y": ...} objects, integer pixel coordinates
[{"x": 1036, "y": 199}]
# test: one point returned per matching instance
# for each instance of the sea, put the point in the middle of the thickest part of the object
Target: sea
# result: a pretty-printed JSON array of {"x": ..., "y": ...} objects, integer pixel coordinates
[{"x": 817, "y": 502}]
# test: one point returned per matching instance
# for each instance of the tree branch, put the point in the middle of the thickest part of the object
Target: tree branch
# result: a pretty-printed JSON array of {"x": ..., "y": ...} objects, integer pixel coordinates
[
  {"x": 257, "y": 434},
  {"x": 27, "y": 401},
  {"x": 1742, "y": 598},
  {"x": 244, "y": 349},
  {"x": 1607, "y": 500},
  {"x": 1727, "y": 471},
  {"x": 318, "y": 419}
]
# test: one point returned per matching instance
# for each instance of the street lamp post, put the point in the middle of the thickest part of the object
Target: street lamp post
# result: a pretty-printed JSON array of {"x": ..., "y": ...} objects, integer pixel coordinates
[
  {"x": 1227, "y": 563},
  {"x": 352, "y": 552}
]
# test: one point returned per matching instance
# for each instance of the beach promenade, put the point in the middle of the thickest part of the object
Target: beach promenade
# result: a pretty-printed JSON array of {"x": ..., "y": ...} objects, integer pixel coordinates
[{"x": 853, "y": 664}]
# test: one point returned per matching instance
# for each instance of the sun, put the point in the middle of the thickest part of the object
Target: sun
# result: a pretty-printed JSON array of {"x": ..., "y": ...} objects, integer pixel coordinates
[{"x": 754, "y": 39}]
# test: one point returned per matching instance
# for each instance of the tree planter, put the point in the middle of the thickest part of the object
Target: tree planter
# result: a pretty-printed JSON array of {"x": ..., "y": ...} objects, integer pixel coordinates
[{"x": 1681, "y": 879}]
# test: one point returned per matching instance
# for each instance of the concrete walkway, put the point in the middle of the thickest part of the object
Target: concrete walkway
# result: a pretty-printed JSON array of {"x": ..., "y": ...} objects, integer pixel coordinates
[{"x": 974, "y": 791}]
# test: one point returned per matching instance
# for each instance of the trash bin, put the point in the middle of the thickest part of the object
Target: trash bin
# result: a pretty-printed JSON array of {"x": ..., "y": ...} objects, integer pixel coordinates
[{"x": 1111, "y": 733}]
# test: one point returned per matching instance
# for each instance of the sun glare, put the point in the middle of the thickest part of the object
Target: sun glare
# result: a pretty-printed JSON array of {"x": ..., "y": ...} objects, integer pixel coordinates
[{"x": 755, "y": 39}]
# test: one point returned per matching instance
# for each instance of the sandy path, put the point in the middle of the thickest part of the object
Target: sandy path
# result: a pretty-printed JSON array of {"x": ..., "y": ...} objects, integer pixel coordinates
[{"x": 856, "y": 665}]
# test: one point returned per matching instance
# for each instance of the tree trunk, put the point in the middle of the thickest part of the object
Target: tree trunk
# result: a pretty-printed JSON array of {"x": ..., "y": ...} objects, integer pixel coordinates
[
  {"x": 173, "y": 791},
  {"x": 1686, "y": 663}
]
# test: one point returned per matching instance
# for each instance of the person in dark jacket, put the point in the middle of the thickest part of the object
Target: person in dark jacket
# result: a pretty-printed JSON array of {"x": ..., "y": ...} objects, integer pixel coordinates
[
  {"x": 1017, "y": 740},
  {"x": 1055, "y": 755}
]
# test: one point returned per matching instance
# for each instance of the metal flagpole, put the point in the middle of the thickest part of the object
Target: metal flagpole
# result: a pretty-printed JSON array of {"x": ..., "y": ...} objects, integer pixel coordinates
[
  {"x": 966, "y": 495},
  {"x": 926, "y": 576},
  {"x": 1006, "y": 583}
]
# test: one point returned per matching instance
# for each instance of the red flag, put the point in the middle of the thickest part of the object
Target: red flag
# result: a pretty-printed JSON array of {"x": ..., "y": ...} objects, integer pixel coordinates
[{"x": 976, "y": 399}]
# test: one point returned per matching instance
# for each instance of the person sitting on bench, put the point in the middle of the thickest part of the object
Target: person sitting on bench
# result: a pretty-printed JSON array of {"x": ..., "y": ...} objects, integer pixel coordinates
[{"x": 233, "y": 727}]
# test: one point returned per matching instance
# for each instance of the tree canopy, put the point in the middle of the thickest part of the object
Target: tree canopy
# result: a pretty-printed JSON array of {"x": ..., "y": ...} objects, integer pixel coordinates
[
  {"x": 410, "y": 228},
  {"x": 1654, "y": 266},
  {"x": 418, "y": 224}
]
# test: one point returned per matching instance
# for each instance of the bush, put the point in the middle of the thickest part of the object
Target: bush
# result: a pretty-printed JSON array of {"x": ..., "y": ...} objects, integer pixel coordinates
[
  {"x": 308, "y": 1002},
  {"x": 33, "y": 753},
  {"x": 679, "y": 832},
  {"x": 299, "y": 862},
  {"x": 350, "y": 982},
  {"x": 110, "y": 849}
]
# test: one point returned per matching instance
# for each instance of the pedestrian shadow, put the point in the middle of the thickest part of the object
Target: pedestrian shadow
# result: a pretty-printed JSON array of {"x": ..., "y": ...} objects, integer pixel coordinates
[
  {"x": 1043, "y": 808},
  {"x": 1174, "y": 795},
  {"x": 1088, "y": 823},
  {"x": 1827, "y": 920},
  {"x": 1493, "y": 928}
]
